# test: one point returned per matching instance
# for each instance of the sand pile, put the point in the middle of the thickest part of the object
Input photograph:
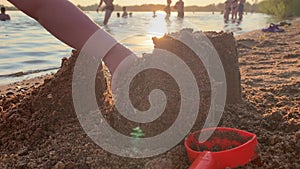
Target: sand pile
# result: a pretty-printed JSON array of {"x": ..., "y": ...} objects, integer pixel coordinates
[
  {"x": 40, "y": 129},
  {"x": 149, "y": 80}
]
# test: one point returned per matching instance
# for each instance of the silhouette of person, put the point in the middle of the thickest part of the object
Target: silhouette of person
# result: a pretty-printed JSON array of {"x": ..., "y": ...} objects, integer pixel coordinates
[
  {"x": 234, "y": 9},
  {"x": 109, "y": 8},
  {"x": 125, "y": 13},
  {"x": 180, "y": 8},
  {"x": 154, "y": 14},
  {"x": 3, "y": 15},
  {"x": 168, "y": 8},
  {"x": 241, "y": 9},
  {"x": 228, "y": 4}
]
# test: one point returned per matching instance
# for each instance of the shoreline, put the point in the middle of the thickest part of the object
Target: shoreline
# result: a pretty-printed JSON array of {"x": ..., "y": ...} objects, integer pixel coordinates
[
  {"x": 39, "y": 78},
  {"x": 23, "y": 85},
  {"x": 11, "y": 69}
]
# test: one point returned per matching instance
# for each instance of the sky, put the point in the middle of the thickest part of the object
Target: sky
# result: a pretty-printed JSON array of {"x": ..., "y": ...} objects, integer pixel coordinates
[{"x": 138, "y": 2}]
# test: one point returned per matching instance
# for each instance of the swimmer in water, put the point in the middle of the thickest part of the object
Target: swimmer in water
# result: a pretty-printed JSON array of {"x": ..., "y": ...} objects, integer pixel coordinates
[
  {"x": 3, "y": 15},
  {"x": 125, "y": 13}
]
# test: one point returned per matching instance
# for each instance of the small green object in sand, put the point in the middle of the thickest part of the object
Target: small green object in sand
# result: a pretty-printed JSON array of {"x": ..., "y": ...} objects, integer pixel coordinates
[{"x": 137, "y": 132}]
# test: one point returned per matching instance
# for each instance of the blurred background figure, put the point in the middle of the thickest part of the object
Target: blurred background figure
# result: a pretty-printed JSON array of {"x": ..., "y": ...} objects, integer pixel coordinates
[
  {"x": 154, "y": 14},
  {"x": 168, "y": 8},
  {"x": 125, "y": 13},
  {"x": 228, "y": 4},
  {"x": 109, "y": 8},
  {"x": 118, "y": 14},
  {"x": 234, "y": 9},
  {"x": 180, "y": 8},
  {"x": 241, "y": 9},
  {"x": 3, "y": 15}
]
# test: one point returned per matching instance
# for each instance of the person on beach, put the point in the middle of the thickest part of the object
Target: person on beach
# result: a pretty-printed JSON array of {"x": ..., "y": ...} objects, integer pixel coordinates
[
  {"x": 74, "y": 28},
  {"x": 125, "y": 13},
  {"x": 234, "y": 9},
  {"x": 241, "y": 9},
  {"x": 179, "y": 6},
  {"x": 227, "y": 9},
  {"x": 3, "y": 15},
  {"x": 109, "y": 8},
  {"x": 167, "y": 9}
]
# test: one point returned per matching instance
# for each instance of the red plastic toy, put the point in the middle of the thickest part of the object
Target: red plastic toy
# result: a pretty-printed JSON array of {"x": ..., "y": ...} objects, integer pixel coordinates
[{"x": 226, "y": 147}]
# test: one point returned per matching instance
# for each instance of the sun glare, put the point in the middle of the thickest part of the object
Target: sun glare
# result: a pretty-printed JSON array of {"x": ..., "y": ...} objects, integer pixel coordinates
[{"x": 158, "y": 25}]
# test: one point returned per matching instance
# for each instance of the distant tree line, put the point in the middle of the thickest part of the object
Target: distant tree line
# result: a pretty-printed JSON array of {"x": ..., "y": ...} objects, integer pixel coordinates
[
  {"x": 146, "y": 7},
  {"x": 159, "y": 7},
  {"x": 280, "y": 8}
]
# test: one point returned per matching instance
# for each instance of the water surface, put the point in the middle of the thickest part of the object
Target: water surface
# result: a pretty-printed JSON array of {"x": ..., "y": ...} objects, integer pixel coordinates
[{"x": 27, "y": 50}]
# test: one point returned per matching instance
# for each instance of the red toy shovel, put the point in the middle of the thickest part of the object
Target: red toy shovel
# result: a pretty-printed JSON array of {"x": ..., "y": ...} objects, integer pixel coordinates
[{"x": 226, "y": 147}]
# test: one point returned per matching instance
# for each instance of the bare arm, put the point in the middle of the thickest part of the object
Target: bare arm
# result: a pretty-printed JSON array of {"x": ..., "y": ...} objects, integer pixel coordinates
[
  {"x": 61, "y": 18},
  {"x": 70, "y": 25}
]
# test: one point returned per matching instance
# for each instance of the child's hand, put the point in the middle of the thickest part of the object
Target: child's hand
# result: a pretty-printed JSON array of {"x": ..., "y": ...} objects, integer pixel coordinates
[{"x": 118, "y": 60}]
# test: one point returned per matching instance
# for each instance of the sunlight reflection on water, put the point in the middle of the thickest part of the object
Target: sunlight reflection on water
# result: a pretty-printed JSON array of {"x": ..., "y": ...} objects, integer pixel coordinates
[{"x": 26, "y": 46}]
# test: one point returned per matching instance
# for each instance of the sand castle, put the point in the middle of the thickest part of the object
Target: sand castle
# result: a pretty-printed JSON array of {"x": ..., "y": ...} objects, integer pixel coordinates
[{"x": 51, "y": 104}]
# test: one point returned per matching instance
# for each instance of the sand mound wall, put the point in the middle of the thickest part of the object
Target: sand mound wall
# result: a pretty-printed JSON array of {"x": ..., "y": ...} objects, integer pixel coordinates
[
  {"x": 55, "y": 96},
  {"x": 47, "y": 114}
]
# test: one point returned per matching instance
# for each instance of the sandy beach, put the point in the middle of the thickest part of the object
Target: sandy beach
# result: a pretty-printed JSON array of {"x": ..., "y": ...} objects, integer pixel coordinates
[{"x": 36, "y": 132}]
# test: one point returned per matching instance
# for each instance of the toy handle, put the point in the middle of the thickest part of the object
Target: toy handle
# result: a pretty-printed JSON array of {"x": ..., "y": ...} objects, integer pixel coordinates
[{"x": 203, "y": 162}]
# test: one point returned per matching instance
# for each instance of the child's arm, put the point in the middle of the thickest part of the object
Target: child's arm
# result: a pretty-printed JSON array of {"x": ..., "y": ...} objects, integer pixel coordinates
[
  {"x": 61, "y": 18},
  {"x": 70, "y": 25}
]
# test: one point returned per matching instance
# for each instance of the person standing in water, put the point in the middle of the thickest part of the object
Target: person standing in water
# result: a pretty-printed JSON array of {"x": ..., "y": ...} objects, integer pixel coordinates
[
  {"x": 228, "y": 4},
  {"x": 125, "y": 13},
  {"x": 180, "y": 8},
  {"x": 241, "y": 9},
  {"x": 154, "y": 14},
  {"x": 109, "y": 8},
  {"x": 168, "y": 8},
  {"x": 3, "y": 15},
  {"x": 234, "y": 9}
]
